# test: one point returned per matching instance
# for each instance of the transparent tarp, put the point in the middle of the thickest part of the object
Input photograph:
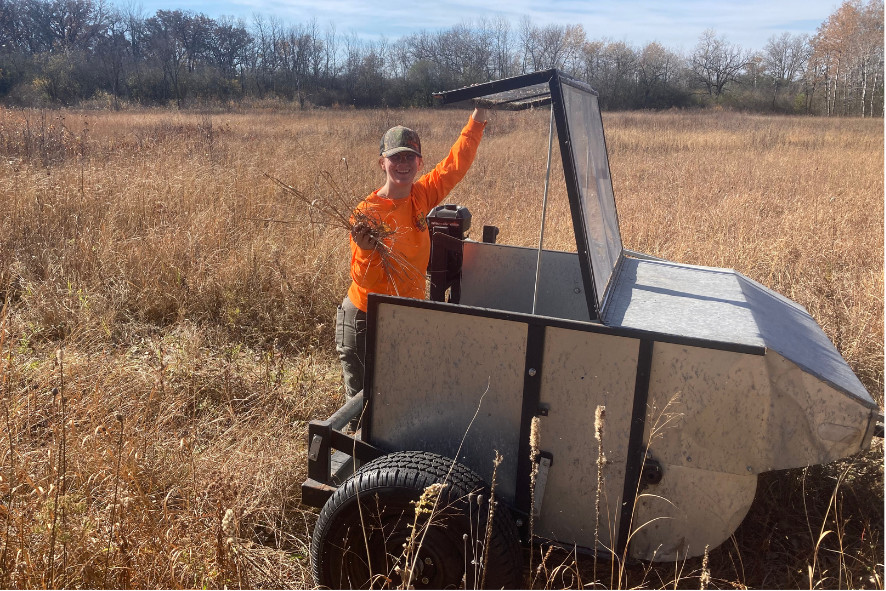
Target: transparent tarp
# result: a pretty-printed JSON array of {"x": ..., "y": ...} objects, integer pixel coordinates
[{"x": 600, "y": 218}]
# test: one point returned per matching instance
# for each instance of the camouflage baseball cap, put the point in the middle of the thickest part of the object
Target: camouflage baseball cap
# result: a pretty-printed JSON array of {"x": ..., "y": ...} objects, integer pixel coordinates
[{"x": 399, "y": 139}]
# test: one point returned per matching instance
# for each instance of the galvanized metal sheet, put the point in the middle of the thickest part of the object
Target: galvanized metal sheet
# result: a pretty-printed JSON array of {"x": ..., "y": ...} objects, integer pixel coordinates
[
  {"x": 433, "y": 371},
  {"x": 501, "y": 277},
  {"x": 745, "y": 414},
  {"x": 725, "y": 306},
  {"x": 688, "y": 511},
  {"x": 581, "y": 372}
]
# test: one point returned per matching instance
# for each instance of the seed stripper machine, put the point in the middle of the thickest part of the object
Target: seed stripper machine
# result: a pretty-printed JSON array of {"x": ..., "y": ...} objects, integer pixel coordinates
[{"x": 707, "y": 379}]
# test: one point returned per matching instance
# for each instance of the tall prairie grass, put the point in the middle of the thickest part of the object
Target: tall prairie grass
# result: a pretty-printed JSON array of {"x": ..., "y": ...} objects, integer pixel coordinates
[{"x": 192, "y": 300}]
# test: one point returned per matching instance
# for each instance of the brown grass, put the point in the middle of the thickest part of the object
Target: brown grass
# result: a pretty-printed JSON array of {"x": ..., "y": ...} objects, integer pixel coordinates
[{"x": 197, "y": 333}]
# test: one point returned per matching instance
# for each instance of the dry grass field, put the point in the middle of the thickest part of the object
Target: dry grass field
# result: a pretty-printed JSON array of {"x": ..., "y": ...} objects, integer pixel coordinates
[{"x": 168, "y": 316}]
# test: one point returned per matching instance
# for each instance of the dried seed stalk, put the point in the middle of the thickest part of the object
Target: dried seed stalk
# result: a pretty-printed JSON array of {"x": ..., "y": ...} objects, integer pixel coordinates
[{"x": 341, "y": 210}]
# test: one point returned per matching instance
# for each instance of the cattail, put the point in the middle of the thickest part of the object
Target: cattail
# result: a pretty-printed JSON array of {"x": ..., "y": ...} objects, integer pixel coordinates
[
  {"x": 534, "y": 441},
  {"x": 599, "y": 415},
  {"x": 599, "y": 420},
  {"x": 534, "y": 437}
]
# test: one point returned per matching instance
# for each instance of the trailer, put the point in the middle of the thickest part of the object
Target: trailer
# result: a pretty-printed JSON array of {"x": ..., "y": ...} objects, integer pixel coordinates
[{"x": 602, "y": 399}]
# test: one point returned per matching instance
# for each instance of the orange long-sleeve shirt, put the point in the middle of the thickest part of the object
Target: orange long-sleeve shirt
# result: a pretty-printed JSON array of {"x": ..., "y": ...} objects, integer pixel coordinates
[{"x": 404, "y": 274}]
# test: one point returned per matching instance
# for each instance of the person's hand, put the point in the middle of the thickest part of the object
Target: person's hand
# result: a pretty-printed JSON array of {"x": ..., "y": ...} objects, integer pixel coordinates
[
  {"x": 480, "y": 115},
  {"x": 362, "y": 236}
]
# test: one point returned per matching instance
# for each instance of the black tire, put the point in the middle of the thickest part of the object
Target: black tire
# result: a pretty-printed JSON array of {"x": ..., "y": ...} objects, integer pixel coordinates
[{"x": 385, "y": 491}]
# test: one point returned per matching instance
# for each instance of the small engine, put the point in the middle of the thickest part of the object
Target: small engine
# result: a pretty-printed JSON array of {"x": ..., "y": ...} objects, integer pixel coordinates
[{"x": 449, "y": 225}]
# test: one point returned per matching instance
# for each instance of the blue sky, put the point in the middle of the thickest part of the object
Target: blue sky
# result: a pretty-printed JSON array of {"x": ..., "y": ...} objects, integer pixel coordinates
[{"x": 677, "y": 24}]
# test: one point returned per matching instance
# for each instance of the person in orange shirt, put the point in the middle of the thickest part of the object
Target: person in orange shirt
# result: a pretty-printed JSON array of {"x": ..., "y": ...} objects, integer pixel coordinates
[{"x": 400, "y": 207}]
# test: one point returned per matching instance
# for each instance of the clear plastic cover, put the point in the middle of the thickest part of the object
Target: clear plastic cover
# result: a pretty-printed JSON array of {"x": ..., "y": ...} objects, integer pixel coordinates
[{"x": 601, "y": 230}]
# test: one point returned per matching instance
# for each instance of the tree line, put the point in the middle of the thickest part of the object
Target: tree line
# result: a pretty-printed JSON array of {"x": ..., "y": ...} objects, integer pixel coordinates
[{"x": 69, "y": 52}]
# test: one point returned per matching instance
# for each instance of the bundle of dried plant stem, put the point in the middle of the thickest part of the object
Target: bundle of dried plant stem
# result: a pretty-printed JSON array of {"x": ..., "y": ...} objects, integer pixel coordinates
[{"x": 341, "y": 209}]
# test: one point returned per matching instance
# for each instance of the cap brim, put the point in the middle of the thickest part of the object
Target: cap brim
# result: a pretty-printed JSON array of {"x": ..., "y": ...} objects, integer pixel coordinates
[{"x": 392, "y": 151}]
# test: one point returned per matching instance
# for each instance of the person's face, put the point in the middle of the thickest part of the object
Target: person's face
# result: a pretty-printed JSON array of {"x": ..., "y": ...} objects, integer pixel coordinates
[{"x": 401, "y": 168}]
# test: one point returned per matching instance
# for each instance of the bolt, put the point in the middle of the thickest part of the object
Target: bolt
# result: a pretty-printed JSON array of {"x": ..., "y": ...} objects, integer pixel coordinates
[
  {"x": 425, "y": 580},
  {"x": 428, "y": 561},
  {"x": 532, "y": 372}
]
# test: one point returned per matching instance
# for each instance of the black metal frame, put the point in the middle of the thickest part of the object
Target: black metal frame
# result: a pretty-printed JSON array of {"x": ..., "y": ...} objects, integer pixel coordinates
[
  {"x": 473, "y": 93},
  {"x": 536, "y": 327},
  {"x": 327, "y": 436},
  {"x": 532, "y": 374},
  {"x": 594, "y": 294},
  {"x": 636, "y": 452},
  {"x": 578, "y": 216}
]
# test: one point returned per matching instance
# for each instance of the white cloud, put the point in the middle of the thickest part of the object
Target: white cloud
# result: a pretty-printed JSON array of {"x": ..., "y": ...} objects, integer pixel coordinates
[{"x": 675, "y": 24}]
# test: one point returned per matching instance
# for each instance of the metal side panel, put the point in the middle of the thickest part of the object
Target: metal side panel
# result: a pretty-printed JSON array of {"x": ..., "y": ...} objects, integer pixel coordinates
[
  {"x": 813, "y": 422},
  {"x": 724, "y": 411},
  {"x": 433, "y": 371},
  {"x": 688, "y": 510},
  {"x": 583, "y": 370},
  {"x": 501, "y": 277}
]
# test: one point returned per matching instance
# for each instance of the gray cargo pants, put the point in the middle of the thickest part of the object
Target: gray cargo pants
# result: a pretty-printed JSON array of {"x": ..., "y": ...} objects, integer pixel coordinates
[{"x": 350, "y": 342}]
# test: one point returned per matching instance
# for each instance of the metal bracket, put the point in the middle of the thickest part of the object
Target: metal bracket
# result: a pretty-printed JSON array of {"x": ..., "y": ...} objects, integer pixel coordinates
[
  {"x": 544, "y": 460},
  {"x": 314, "y": 451}
]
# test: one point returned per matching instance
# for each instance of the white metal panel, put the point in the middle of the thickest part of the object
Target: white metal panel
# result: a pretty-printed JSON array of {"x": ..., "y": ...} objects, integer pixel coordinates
[
  {"x": 583, "y": 370},
  {"x": 688, "y": 510},
  {"x": 745, "y": 414},
  {"x": 433, "y": 370}
]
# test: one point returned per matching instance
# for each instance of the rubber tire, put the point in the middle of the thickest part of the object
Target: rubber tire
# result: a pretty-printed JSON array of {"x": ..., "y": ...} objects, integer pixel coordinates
[{"x": 388, "y": 488}]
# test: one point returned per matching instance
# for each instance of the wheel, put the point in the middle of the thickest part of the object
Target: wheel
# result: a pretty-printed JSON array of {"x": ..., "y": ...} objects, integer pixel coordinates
[{"x": 364, "y": 535}]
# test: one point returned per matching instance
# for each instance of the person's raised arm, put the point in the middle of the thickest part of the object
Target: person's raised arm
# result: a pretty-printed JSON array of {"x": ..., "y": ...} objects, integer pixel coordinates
[{"x": 433, "y": 187}]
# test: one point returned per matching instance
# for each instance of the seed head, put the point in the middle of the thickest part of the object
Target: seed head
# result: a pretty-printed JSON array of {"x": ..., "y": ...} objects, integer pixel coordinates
[
  {"x": 227, "y": 522},
  {"x": 534, "y": 435},
  {"x": 429, "y": 498},
  {"x": 599, "y": 417}
]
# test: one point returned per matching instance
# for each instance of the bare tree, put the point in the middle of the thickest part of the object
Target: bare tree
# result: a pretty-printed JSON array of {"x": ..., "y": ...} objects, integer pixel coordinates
[
  {"x": 656, "y": 70},
  {"x": 847, "y": 52},
  {"x": 784, "y": 58},
  {"x": 551, "y": 46},
  {"x": 330, "y": 51},
  {"x": 502, "y": 58},
  {"x": 716, "y": 63},
  {"x": 228, "y": 44}
]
